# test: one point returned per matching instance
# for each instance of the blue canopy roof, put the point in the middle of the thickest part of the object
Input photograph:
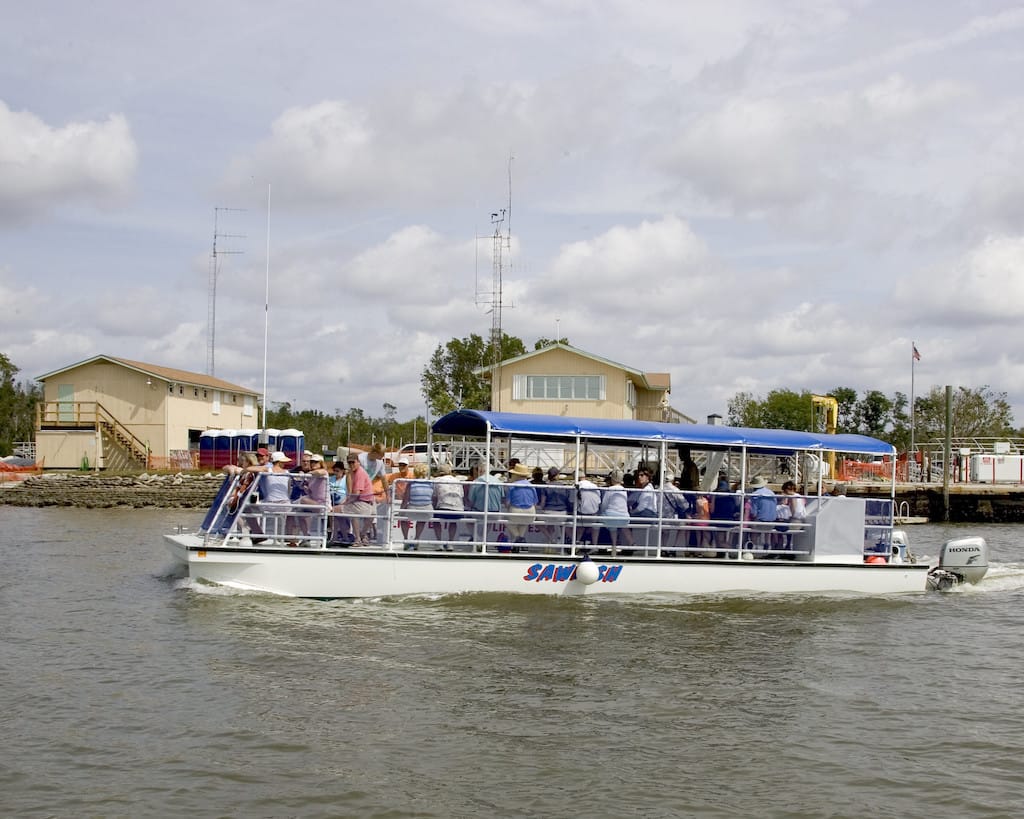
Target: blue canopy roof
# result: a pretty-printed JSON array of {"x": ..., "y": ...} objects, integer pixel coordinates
[{"x": 474, "y": 423}]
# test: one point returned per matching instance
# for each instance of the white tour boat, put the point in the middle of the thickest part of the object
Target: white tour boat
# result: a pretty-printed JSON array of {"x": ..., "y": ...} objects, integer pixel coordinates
[{"x": 711, "y": 539}]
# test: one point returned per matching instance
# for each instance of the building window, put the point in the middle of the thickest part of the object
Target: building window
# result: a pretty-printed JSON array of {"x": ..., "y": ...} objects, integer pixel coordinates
[
  {"x": 216, "y": 402},
  {"x": 181, "y": 390},
  {"x": 249, "y": 408},
  {"x": 170, "y": 389},
  {"x": 559, "y": 387},
  {"x": 195, "y": 392},
  {"x": 204, "y": 394},
  {"x": 630, "y": 393},
  {"x": 234, "y": 398}
]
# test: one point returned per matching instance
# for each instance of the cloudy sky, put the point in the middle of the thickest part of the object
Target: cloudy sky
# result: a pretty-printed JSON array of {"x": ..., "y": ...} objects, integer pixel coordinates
[{"x": 748, "y": 195}]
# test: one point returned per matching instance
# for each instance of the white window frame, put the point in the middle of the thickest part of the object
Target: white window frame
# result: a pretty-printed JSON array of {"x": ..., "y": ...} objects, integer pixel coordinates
[{"x": 559, "y": 388}]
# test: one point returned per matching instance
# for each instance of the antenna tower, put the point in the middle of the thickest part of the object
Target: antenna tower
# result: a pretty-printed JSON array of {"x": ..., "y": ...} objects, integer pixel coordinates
[
  {"x": 501, "y": 241},
  {"x": 211, "y": 310}
]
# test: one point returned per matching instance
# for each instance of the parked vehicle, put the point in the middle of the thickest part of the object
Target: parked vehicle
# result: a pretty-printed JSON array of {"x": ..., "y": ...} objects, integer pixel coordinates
[{"x": 419, "y": 454}]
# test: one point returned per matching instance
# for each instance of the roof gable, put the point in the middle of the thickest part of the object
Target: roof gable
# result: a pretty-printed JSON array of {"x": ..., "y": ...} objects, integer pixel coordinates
[{"x": 168, "y": 374}]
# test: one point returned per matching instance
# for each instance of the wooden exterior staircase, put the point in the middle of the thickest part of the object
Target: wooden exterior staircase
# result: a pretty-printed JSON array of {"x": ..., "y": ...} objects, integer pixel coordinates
[{"x": 121, "y": 447}]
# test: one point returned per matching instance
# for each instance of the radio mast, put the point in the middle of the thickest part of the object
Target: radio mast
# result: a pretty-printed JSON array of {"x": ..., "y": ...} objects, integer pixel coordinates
[
  {"x": 211, "y": 309},
  {"x": 501, "y": 242}
]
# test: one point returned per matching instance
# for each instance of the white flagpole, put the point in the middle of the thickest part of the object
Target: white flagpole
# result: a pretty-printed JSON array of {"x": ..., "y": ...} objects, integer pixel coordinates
[{"x": 266, "y": 317}]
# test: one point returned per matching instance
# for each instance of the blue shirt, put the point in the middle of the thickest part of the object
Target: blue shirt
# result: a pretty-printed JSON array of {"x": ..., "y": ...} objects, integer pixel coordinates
[
  {"x": 556, "y": 498},
  {"x": 522, "y": 495},
  {"x": 419, "y": 493},
  {"x": 477, "y": 491}
]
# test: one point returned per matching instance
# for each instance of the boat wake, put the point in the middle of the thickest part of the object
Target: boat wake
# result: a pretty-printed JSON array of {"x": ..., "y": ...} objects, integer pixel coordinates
[{"x": 1001, "y": 577}]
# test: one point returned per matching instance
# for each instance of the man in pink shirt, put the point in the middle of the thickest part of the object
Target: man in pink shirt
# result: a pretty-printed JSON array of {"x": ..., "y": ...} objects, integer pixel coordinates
[{"x": 359, "y": 504}]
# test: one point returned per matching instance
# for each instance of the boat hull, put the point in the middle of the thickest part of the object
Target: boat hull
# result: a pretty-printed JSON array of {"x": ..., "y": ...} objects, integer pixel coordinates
[{"x": 374, "y": 572}]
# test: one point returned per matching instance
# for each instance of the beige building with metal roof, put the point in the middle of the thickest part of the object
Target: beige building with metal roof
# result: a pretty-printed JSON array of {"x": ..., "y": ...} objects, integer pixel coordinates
[
  {"x": 564, "y": 380},
  {"x": 114, "y": 413}
]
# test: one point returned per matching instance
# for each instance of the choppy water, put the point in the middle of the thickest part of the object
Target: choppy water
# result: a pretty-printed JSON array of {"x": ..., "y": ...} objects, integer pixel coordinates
[{"x": 128, "y": 692}]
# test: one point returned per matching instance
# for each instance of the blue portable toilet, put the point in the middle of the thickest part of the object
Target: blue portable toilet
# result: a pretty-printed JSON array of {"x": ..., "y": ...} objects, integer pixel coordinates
[
  {"x": 222, "y": 448},
  {"x": 270, "y": 435},
  {"x": 291, "y": 442},
  {"x": 245, "y": 441},
  {"x": 207, "y": 444}
]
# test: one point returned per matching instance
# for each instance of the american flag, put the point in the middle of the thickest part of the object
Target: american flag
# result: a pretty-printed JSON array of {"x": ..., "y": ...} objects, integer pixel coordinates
[{"x": 917, "y": 355}]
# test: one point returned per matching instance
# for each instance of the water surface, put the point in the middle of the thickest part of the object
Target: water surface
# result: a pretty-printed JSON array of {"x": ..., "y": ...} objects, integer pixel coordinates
[{"x": 131, "y": 692}]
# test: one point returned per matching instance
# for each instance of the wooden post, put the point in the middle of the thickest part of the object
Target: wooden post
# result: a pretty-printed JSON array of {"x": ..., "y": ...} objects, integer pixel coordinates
[{"x": 948, "y": 453}]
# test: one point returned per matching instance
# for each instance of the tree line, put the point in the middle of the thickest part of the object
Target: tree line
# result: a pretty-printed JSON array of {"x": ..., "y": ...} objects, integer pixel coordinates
[
  {"x": 457, "y": 376},
  {"x": 976, "y": 413},
  {"x": 17, "y": 407}
]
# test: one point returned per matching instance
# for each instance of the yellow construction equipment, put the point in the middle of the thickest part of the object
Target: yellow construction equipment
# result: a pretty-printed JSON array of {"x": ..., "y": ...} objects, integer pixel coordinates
[{"x": 827, "y": 406}]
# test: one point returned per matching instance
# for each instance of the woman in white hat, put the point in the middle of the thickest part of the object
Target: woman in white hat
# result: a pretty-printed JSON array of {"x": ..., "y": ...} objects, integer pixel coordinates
[{"x": 522, "y": 502}]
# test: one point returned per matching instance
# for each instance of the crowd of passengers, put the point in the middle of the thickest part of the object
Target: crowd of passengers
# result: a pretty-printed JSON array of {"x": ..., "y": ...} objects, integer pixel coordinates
[{"x": 361, "y": 493}]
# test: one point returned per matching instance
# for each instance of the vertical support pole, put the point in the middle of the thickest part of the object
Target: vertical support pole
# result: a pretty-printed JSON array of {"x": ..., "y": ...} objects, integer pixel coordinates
[{"x": 947, "y": 457}]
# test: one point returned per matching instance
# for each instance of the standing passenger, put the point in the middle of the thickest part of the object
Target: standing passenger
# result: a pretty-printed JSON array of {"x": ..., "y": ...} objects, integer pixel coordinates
[{"x": 358, "y": 503}]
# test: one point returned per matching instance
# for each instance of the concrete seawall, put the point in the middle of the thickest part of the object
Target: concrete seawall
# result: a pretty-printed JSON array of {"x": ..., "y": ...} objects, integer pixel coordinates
[
  {"x": 968, "y": 502},
  {"x": 91, "y": 491}
]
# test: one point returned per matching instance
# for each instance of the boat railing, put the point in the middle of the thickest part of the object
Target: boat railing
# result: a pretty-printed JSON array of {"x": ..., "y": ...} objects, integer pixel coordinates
[{"x": 675, "y": 531}]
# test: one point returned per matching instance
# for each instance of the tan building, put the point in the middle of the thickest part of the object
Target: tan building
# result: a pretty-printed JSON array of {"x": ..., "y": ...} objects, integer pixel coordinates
[
  {"x": 563, "y": 380},
  {"x": 113, "y": 413}
]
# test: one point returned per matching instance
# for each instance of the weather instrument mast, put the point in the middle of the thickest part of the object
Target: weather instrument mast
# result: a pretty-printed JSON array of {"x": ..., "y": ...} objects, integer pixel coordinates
[
  {"x": 501, "y": 242},
  {"x": 211, "y": 310}
]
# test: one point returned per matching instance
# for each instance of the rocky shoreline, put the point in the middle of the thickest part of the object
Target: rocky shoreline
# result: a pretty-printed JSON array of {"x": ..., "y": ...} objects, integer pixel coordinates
[{"x": 92, "y": 491}]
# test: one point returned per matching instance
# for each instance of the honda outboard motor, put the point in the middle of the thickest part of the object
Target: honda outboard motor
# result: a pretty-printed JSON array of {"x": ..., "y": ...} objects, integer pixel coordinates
[{"x": 961, "y": 560}]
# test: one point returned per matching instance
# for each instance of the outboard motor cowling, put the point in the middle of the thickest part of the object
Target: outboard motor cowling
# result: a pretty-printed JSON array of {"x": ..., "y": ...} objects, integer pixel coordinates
[{"x": 961, "y": 560}]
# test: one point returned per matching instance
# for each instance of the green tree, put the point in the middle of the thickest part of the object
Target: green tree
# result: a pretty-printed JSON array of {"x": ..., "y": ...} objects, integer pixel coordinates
[
  {"x": 977, "y": 413},
  {"x": 744, "y": 411},
  {"x": 543, "y": 342},
  {"x": 453, "y": 377},
  {"x": 846, "y": 398},
  {"x": 786, "y": 409},
  {"x": 874, "y": 414},
  {"x": 17, "y": 407}
]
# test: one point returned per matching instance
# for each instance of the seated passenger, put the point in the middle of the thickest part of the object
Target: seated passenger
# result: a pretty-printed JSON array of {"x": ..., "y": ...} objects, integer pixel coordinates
[
  {"x": 522, "y": 502},
  {"x": 417, "y": 503},
  {"x": 643, "y": 500},
  {"x": 449, "y": 503},
  {"x": 588, "y": 504},
  {"x": 615, "y": 511},
  {"x": 555, "y": 499},
  {"x": 313, "y": 490}
]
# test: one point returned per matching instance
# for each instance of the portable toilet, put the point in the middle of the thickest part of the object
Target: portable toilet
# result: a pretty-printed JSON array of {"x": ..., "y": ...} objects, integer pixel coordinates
[
  {"x": 222, "y": 448},
  {"x": 291, "y": 442},
  {"x": 269, "y": 437},
  {"x": 207, "y": 445},
  {"x": 245, "y": 441}
]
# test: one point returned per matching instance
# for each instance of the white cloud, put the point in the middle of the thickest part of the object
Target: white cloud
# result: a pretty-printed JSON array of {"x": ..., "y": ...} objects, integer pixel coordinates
[
  {"x": 761, "y": 153},
  {"x": 43, "y": 166},
  {"x": 982, "y": 288}
]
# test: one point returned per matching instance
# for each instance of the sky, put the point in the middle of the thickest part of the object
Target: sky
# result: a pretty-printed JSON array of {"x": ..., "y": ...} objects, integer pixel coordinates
[{"x": 747, "y": 195}]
